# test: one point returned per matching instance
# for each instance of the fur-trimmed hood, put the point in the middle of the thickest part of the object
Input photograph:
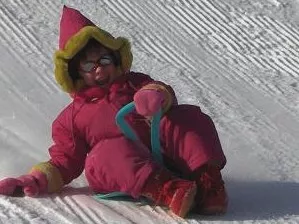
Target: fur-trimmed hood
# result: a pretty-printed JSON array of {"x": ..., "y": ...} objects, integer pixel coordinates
[{"x": 75, "y": 32}]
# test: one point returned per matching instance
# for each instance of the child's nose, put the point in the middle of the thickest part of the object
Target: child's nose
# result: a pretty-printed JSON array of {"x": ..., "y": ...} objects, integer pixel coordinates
[
  {"x": 98, "y": 73},
  {"x": 98, "y": 69}
]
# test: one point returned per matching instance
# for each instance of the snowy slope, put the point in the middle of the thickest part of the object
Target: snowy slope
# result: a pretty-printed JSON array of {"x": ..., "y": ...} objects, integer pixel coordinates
[{"x": 238, "y": 60}]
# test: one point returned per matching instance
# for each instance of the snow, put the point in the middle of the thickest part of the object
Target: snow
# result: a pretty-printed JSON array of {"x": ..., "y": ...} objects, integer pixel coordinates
[{"x": 238, "y": 60}]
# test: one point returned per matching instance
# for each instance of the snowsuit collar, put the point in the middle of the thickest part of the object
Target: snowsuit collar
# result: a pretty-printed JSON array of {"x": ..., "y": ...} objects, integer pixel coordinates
[{"x": 93, "y": 93}]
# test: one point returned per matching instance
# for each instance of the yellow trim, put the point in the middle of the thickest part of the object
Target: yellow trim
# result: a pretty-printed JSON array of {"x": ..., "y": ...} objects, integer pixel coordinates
[
  {"x": 76, "y": 43},
  {"x": 168, "y": 96},
  {"x": 55, "y": 182}
]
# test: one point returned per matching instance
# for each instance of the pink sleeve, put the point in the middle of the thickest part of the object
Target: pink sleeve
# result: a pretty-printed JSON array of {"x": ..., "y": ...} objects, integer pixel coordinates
[
  {"x": 69, "y": 151},
  {"x": 138, "y": 80}
]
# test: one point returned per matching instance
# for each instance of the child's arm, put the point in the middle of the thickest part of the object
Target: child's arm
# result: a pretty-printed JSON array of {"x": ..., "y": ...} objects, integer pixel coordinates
[{"x": 68, "y": 154}]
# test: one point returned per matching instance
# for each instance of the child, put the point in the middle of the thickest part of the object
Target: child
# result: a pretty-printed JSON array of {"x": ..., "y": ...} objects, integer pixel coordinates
[{"x": 94, "y": 68}]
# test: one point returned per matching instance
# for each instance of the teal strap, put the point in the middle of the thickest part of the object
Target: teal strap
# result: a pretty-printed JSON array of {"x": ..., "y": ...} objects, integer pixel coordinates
[
  {"x": 155, "y": 137},
  {"x": 110, "y": 195},
  {"x": 123, "y": 125}
]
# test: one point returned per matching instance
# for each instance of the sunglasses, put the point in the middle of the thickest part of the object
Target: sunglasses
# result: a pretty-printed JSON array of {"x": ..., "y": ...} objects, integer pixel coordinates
[{"x": 104, "y": 60}]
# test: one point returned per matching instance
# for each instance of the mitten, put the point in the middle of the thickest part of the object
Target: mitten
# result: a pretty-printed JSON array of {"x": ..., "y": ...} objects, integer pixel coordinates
[
  {"x": 31, "y": 184},
  {"x": 8, "y": 186},
  {"x": 148, "y": 101},
  {"x": 34, "y": 183}
]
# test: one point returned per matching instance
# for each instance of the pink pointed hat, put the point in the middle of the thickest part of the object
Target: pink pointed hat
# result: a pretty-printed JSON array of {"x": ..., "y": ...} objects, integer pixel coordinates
[
  {"x": 72, "y": 21},
  {"x": 75, "y": 31}
]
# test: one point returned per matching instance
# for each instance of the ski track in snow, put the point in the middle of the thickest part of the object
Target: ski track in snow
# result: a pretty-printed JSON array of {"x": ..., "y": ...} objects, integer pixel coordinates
[{"x": 241, "y": 68}]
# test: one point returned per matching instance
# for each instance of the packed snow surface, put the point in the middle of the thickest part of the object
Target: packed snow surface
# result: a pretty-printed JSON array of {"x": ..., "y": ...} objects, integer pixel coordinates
[{"x": 238, "y": 60}]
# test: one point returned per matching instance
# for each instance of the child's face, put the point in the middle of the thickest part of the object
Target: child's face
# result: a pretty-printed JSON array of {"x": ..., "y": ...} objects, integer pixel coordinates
[{"x": 97, "y": 67}]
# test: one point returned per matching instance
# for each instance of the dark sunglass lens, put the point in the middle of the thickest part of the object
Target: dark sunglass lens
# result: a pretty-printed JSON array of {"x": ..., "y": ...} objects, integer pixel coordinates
[
  {"x": 88, "y": 66},
  {"x": 106, "y": 60}
]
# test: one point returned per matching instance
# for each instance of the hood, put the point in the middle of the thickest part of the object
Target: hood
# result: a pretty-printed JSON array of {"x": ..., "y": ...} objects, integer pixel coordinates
[{"x": 75, "y": 32}]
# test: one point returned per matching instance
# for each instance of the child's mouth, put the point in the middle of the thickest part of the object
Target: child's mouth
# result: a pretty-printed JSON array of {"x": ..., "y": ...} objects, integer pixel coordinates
[{"x": 103, "y": 81}]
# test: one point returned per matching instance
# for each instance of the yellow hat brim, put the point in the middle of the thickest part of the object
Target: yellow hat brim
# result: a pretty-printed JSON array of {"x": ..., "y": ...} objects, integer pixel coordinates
[{"x": 76, "y": 43}]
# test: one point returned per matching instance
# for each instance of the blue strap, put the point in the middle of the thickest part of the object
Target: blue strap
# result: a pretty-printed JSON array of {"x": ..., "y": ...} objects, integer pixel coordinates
[
  {"x": 110, "y": 195},
  {"x": 130, "y": 134},
  {"x": 155, "y": 137},
  {"x": 123, "y": 125}
]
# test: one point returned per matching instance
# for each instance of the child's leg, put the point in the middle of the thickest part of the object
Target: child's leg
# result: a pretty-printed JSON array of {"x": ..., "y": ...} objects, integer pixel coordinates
[
  {"x": 191, "y": 144},
  {"x": 190, "y": 139},
  {"x": 118, "y": 164},
  {"x": 122, "y": 165}
]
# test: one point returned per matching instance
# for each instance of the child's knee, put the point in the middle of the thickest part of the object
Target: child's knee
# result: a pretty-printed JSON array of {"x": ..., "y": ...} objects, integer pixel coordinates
[
  {"x": 182, "y": 110},
  {"x": 115, "y": 163}
]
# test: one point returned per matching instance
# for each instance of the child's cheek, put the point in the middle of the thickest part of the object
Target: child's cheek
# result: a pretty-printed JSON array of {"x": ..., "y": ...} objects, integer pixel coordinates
[
  {"x": 112, "y": 73},
  {"x": 89, "y": 79}
]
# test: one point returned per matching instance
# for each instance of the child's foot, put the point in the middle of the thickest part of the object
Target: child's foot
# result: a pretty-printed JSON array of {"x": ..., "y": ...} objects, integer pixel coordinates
[
  {"x": 175, "y": 193},
  {"x": 211, "y": 198}
]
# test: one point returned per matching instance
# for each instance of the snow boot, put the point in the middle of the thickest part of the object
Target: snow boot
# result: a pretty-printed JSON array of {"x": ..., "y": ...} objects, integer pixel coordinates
[
  {"x": 211, "y": 197},
  {"x": 167, "y": 190}
]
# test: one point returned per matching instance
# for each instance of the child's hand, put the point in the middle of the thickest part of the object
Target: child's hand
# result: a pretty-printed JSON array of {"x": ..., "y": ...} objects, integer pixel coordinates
[
  {"x": 148, "y": 102},
  {"x": 9, "y": 186},
  {"x": 31, "y": 184}
]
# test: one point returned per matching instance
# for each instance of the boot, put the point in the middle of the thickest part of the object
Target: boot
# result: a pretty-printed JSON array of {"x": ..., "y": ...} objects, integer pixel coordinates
[
  {"x": 166, "y": 190},
  {"x": 211, "y": 197}
]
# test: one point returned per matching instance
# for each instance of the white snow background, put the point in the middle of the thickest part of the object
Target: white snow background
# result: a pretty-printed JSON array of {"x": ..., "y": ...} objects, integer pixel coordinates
[{"x": 238, "y": 60}]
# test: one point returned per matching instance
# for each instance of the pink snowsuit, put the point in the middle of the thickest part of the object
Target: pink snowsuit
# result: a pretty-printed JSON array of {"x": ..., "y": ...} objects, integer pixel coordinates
[{"x": 86, "y": 136}]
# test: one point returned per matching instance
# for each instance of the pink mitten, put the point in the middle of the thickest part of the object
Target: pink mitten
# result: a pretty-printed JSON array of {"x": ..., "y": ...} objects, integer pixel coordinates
[
  {"x": 32, "y": 184},
  {"x": 9, "y": 185},
  {"x": 148, "y": 102}
]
